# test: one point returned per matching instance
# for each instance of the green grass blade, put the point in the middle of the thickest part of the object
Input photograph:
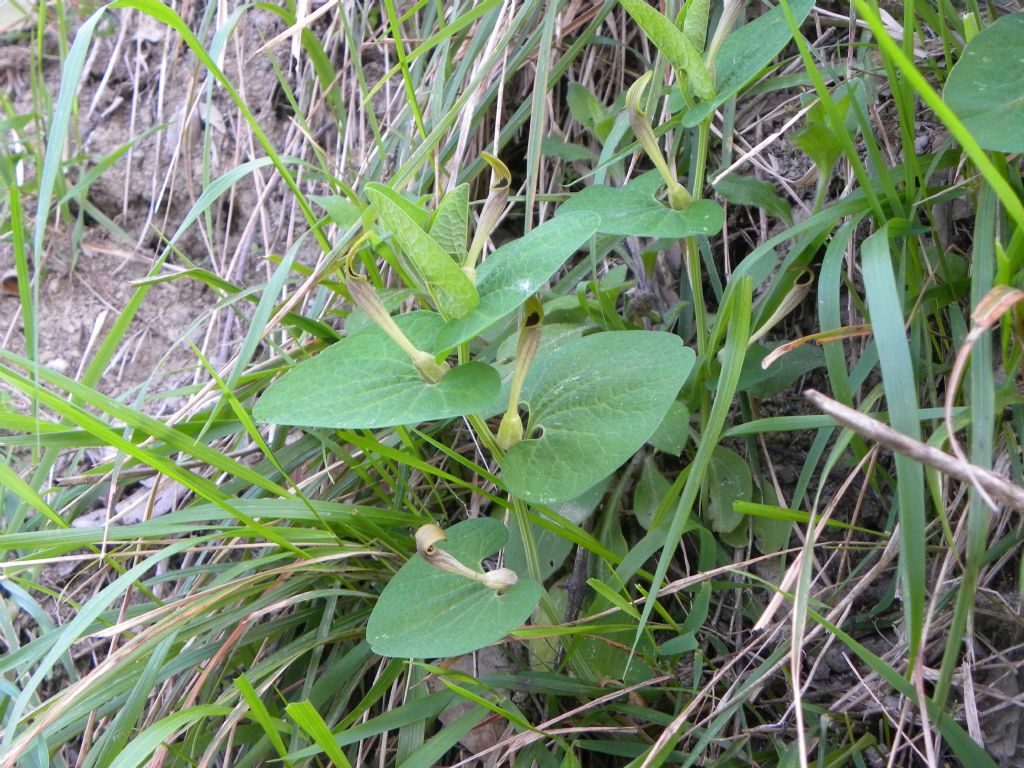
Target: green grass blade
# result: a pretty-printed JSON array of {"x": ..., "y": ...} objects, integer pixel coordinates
[
  {"x": 309, "y": 720},
  {"x": 403, "y": 64},
  {"x": 142, "y": 747},
  {"x": 117, "y": 734},
  {"x": 887, "y": 321},
  {"x": 199, "y": 485},
  {"x": 1002, "y": 188},
  {"x": 60, "y": 126},
  {"x": 137, "y": 420},
  {"x": 982, "y": 405},
  {"x": 72, "y": 631},
  {"x": 737, "y": 313},
  {"x": 11, "y": 481}
]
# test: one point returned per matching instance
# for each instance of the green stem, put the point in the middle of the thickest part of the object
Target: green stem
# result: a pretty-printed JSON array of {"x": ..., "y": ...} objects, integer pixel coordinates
[
  {"x": 484, "y": 434},
  {"x": 522, "y": 516},
  {"x": 703, "y": 141},
  {"x": 530, "y": 548},
  {"x": 693, "y": 266},
  {"x": 693, "y": 274},
  {"x": 476, "y": 421},
  {"x": 819, "y": 194},
  {"x": 700, "y": 321}
]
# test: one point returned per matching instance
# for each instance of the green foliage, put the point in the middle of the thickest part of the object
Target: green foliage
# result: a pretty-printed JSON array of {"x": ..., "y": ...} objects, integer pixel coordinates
[
  {"x": 593, "y": 402},
  {"x": 635, "y": 210},
  {"x": 552, "y": 546},
  {"x": 450, "y": 289},
  {"x": 516, "y": 271},
  {"x": 745, "y": 53},
  {"x": 678, "y": 48},
  {"x": 695, "y": 22},
  {"x": 745, "y": 190},
  {"x": 425, "y": 612},
  {"x": 651, "y": 489},
  {"x": 252, "y": 594},
  {"x": 672, "y": 434},
  {"x": 730, "y": 481},
  {"x": 366, "y": 382},
  {"x": 451, "y": 221},
  {"x": 820, "y": 136},
  {"x": 586, "y": 109},
  {"x": 986, "y": 86},
  {"x": 342, "y": 211},
  {"x": 764, "y": 382}
]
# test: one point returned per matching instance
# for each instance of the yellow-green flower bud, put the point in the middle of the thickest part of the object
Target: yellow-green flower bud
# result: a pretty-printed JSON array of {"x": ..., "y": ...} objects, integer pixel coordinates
[
  {"x": 427, "y": 537},
  {"x": 678, "y": 196},
  {"x": 490, "y": 215},
  {"x": 366, "y": 298},
  {"x": 510, "y": 431}
]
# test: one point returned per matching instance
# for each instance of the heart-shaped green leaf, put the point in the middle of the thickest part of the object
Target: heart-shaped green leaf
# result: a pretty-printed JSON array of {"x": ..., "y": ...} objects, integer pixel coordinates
[
  {"x": 588, "y": 110},
  {"x": 729, "y": 481},
  {"x": 782, "y": 373},
  {"x": 450, "y": 289},
  {"x": 819, "y": 138},
  {"x": 746, "y": 190},
  {"x": 366, "y": 382},
  {"x": 593, "y": 402},
  {"x": 672, "y": 433},
  {"x": 651, "y": 489},
  {"x": 745, "y": 52},
  {"x": 517, "y": 270},
  {"x": 425, "y": 612},
  {"x": 634, "y": 210},
  {"x": 986, "y": 86},
  {"x": 605, "y": 651}
]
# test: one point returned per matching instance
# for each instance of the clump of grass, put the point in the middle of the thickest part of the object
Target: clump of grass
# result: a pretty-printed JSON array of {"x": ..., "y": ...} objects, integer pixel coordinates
[{"x": 756, "y": 583}]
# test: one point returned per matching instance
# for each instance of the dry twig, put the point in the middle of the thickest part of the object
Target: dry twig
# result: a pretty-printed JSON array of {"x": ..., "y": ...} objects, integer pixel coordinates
[{"x": 997, "y": 487}]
